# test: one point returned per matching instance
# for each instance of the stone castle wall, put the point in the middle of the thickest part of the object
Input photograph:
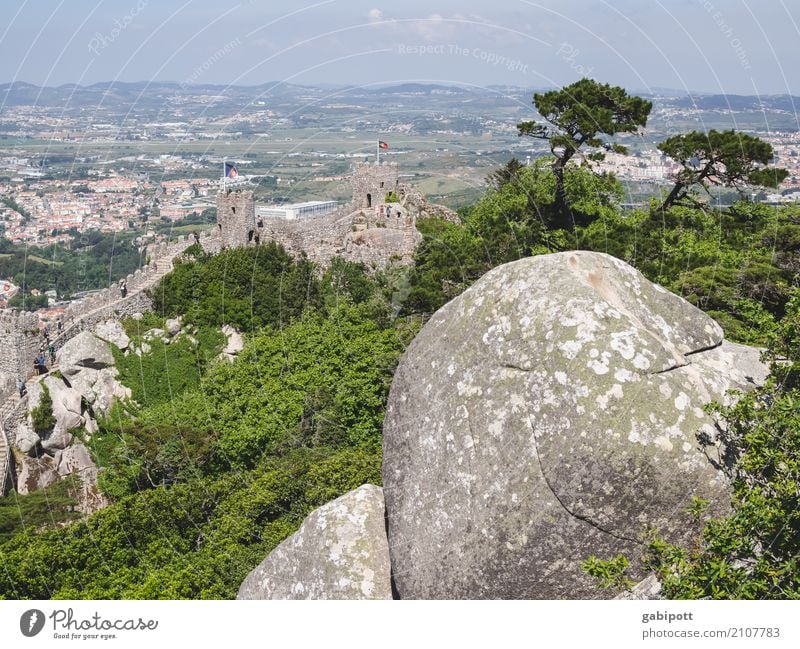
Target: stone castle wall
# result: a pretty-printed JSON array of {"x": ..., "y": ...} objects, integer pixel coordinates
[
  {"x": 21, "y": 337},
  {"x": 359, "y": 236},
  {"x": 359, "y": 231},
  {"x": 19, "y": 344},
  {"x": 236, "y": 217},
  {"x": 371, "y": 183}
]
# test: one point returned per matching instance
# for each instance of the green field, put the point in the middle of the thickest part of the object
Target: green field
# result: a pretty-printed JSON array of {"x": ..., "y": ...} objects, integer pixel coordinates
[{"x": 42, "y": 260}]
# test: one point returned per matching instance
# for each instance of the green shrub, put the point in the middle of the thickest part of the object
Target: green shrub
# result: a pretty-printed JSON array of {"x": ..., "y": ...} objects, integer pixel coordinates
[
  {"x": 35, "y": 511},
  {"x": 188, "y": 541},
  {"x": 42, "y": 415},
  {"x": 755, "y": 552}
]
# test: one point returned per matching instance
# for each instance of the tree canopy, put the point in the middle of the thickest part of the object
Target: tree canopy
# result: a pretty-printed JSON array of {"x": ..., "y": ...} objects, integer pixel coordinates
[
  {"x": 581, "y": 114},
  {"x": 727, "y": 158}
]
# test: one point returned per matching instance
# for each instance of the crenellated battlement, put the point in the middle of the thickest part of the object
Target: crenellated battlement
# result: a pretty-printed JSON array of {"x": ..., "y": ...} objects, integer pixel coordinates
[{"x": 377, "y": 227}]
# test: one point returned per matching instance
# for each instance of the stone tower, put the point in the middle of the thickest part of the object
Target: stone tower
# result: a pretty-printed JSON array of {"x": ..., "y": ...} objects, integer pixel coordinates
[
  {"x": 236, "y": 218},
  {"x": 19, "y": 340},
  {"x": 371, "y": 183}
]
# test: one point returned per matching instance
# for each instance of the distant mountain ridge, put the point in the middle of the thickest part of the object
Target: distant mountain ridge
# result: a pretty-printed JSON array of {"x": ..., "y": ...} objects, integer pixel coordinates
[{"x": 14, "y": 91}]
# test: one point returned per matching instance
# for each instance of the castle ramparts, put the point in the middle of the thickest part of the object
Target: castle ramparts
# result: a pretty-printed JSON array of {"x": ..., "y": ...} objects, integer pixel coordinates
[
  {"x": 376, "y": 227},
  {"x": 20, "y": 336}
]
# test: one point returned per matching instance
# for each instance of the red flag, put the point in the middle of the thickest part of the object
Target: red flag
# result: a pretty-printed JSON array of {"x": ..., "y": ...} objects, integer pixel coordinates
[{"x": 383, "y": 145}]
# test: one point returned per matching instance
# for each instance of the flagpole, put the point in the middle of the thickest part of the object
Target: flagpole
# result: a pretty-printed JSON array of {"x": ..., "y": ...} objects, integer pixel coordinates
[{"x": 377, "y": 152}]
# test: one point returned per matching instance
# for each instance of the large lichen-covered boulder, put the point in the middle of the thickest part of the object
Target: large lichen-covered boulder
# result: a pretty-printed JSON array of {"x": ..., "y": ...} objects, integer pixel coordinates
[
  {"x": 82, "y": 351},
  {"x": 339, "y": 552},
  {"x": 550, "y": 413}
]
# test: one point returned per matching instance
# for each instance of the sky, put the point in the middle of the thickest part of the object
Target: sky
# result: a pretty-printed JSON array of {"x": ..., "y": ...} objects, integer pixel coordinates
[{"x": 710, "y": 46}]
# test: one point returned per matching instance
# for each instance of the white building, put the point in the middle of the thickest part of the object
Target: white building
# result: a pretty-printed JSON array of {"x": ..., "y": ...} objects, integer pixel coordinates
[{"x": 296, "y": 210}]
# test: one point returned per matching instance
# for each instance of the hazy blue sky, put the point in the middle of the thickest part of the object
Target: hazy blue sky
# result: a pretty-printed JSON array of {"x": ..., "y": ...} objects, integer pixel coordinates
[{"x": 730, "y": 46}]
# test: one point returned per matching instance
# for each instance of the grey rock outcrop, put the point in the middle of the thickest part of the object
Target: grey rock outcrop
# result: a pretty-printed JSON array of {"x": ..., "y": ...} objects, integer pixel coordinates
[
  {"x": 87, "y": 363},
  {"x": 77, "y": 460},
  {"x": 173, "y": 326},
  {"x": 84, "y": 351},
  {"x": 26, "y": 438},
  {"x": 56, "y": 440},
  {"x": 89, "y": 377},
  {"x": 66, "y": 411},
  {"x": 66, "y": 404},
  {"x": 549, "y": 413},
  {"x": 234, "y": 344},
  {"x": 35, "y": 473},
  {"x": 339, "y": 552},
  {"x": 113, "y": 332},
  {"x": 100, "y": 388}
]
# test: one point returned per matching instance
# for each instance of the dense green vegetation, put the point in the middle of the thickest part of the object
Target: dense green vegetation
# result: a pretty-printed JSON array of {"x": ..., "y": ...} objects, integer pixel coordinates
[
  {"x": 755, "y": 552},
  {"x": 46, "y": 507},
  {"x": 737, "y": 265},
  {"x": 247, "y": 291},
  {"x": 190, "y": 540},
  {"x": 322, "y": 381},
  {"x": 90, "y": 261},
  {"x": 166, "y": 370}
]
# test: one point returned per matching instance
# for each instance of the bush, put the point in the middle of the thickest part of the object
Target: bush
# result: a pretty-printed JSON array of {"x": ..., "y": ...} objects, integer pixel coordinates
[
  {"x": 167, "y": 370},
  {"x": 248, "y": 288},
  {"x": 755, "y": 552},
  {"x": 48, "y": 507},
  {"x": 42, "y": 415},
  {"x": 322, "y": 381},
  {"x": 189, "y": 541}
]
